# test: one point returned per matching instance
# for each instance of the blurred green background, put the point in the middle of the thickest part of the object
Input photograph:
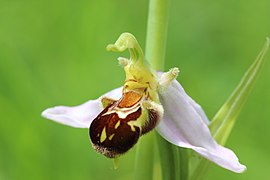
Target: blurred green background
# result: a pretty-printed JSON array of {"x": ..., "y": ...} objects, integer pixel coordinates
[{"x": 52, "y": 52}]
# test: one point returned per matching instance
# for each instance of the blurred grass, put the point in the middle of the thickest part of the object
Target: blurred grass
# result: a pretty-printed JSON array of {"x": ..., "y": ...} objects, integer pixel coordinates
[{"x": 53, "y": 52}]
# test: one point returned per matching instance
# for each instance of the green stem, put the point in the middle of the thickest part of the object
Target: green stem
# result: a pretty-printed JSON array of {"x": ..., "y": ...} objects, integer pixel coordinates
[
  {"x": 144, "y": 158},
  {"x": 154, "y": 54},
  {"x": 157, "y": 33},
  {"x": 169, "y": 159}
]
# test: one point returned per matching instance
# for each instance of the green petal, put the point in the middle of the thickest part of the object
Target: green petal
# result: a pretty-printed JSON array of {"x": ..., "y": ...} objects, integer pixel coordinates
[{"x": 128, "y": 41}]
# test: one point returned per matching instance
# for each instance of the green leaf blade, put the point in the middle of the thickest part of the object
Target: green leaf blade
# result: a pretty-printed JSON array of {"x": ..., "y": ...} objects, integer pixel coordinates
[{"x": 224, "y": 120}]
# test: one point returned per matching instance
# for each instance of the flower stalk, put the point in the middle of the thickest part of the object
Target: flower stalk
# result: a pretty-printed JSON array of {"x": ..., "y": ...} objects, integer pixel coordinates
[
  {"x": 157, "y": 33},
  {"x": 155, "y": 54}
]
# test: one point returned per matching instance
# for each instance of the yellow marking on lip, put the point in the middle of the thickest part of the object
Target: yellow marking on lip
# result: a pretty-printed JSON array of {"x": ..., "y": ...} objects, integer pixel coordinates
[
  {"x": 103, "y": 135},
  {"x": 111, "y": 136},
  {"x": 139, "y": 122},
  {"x": 117, "y": 125},
  {"x": 132, "y": 127}
]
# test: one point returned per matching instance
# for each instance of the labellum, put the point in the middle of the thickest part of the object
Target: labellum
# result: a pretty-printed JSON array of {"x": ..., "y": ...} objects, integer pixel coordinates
[{"x": 118, "y": 127}]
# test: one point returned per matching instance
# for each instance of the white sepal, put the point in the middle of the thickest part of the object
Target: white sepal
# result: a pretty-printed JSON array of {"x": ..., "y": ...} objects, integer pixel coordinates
[
  {"x": 185, "y": 125},
  {"x": 79, "y": 116}
]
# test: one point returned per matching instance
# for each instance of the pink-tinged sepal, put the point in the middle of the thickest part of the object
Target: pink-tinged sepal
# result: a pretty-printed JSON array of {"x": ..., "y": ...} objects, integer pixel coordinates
[
  {"x": 185, "y": 125},
  {"x": 81, "y": 116}
]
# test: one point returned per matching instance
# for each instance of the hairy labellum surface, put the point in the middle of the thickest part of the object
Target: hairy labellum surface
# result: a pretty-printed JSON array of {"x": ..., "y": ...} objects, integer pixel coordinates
[{"x": 118, "y": 127}]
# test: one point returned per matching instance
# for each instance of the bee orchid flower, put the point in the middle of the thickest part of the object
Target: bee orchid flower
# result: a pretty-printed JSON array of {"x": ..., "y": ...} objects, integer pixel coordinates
[{"x": 148, "y": 100}]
